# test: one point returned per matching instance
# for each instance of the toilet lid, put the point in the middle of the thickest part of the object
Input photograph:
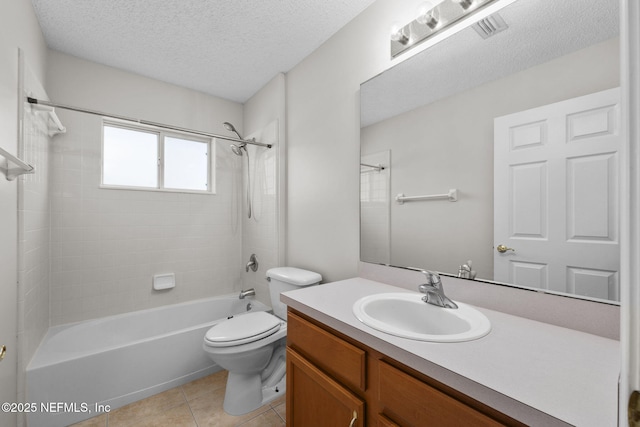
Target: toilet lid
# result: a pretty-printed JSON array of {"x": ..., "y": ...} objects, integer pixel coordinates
[{"x": 242, "y": 329}]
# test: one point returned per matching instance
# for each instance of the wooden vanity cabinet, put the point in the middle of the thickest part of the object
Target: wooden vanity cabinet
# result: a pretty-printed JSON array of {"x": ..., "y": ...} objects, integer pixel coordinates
[
  {"x": 323, "y": 369},
  {"x": 411, "y": 402},
  {"x": 333, "y": 380},
  {"x": 318, "y": 399}
]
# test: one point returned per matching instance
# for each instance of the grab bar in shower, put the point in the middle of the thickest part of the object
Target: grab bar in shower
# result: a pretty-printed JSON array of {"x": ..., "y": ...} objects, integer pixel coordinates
[
  {"x": 376, "y": 168},
  {"x": 12, "y": 172},
  {"x": 452, "y": 196}
]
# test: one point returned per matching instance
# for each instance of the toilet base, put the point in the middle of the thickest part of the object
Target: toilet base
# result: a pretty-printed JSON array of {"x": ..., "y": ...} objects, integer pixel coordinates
[{"x": 247, "y": 392}]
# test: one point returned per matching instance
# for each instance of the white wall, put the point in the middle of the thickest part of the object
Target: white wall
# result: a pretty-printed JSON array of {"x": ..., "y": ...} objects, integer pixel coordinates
[
  {"x": 264, "y": 118},
  {"x": 18, "y": 29},
  {"x": 323, "y": 139},
  {"x": 455, "y": 137},
  {"x": 323, "y": 128},
  {"x": 107, "y": 244}
]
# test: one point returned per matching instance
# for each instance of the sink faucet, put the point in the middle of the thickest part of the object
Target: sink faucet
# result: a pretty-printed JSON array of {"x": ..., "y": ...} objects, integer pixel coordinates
[
  {"x": 248, "y": 293},
  {"x": 434, "y": 291}
]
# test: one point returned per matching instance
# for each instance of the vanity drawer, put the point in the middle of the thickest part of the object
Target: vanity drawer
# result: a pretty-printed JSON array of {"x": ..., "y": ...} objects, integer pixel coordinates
[
  {"x": 338, "y": 358},
  {"x": 408, "y": 401}
]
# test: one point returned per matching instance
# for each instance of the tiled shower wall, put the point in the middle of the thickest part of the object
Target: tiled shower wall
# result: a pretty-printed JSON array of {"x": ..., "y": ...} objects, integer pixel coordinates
[
  {"x": 33, "y": 241},
  {"x": 260, "y": 232},
  {"x": 375, "y": 209},
  {"x": 107, "y": 244}
]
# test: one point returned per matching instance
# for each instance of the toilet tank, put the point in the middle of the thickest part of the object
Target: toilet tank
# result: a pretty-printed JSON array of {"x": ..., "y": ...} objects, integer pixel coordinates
[{"x": 282, "y": 279}]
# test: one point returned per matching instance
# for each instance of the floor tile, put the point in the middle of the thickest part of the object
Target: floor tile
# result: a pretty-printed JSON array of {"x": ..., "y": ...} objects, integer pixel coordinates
[
  {"x": 205, "y": 385},
  {"x": 281, "y": 410},
  {"x": 126, "y": 415},
  {"x": 208, "y": 412},
  {"x": 99, "y": 421},
  {"x": 267, "y": 419},
  {"x": 196, "y": 404},
  {"x": 179, "y": 416}
]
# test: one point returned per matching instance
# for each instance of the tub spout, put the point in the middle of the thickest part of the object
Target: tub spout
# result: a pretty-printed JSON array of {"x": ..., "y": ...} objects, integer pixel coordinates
[{"x": 248, "y": 293}]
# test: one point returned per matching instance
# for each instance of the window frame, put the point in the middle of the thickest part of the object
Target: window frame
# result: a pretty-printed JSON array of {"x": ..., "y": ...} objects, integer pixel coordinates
[{"x": 161, "y": 134}]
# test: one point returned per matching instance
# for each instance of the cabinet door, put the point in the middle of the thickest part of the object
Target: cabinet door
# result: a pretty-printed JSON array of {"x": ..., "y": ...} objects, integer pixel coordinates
[
  {"x": 316, "y": 400},
  {"x": 410, "y": 402},
  {"x": 341, "y": 360}
]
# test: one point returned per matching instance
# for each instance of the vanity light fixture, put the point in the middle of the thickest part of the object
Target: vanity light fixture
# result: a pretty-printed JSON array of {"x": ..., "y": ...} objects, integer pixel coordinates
[{"x": 432, "y": 18}]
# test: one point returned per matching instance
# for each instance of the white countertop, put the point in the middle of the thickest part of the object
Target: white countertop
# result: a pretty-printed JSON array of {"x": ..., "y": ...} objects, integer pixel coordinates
[{"x": 537, "y": 373}]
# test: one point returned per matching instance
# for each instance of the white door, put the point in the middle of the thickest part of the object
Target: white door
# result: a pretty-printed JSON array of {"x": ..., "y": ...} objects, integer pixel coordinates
[
  {"x": 630, "y": 304},
  {"x": 556, "y": 196}
]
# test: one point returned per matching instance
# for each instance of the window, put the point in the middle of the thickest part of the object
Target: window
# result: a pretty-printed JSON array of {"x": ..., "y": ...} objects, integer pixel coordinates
[{"x": 146, "y": 158}]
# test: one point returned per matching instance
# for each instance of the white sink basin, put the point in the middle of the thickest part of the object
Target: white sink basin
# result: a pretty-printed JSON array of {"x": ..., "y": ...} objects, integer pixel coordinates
[{"x": 406, "y": 315}]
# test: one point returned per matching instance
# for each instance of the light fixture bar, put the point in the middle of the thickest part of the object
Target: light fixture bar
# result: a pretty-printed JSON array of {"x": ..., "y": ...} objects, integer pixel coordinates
[{"x": 449, "y": 12}]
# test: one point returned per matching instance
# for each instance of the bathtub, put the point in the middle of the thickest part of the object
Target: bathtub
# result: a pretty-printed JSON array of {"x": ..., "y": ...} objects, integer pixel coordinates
[{"x": 81, "y": 368}]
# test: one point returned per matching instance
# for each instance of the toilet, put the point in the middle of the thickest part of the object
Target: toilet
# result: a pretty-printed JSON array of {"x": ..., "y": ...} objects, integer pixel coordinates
[{"x": 252, "y": 346}]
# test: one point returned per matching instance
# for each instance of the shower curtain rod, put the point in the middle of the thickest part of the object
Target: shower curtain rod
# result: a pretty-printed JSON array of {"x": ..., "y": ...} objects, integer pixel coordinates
[{"x": 146, "y": 122}]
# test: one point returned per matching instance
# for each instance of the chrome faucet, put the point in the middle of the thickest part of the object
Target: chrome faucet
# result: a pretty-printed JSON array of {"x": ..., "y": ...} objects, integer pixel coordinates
[
  {"x": 434, "y": 291},
  {"x": 248, "y": 293}
]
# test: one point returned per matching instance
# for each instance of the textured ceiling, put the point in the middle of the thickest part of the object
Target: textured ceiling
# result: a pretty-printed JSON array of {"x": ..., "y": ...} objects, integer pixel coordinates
[
  {"x": 225, "y": 48},
  {"x": 539, "y": 31}
]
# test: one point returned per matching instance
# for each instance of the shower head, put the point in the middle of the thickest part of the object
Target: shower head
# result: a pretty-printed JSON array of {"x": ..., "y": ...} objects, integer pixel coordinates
[
  {"x": 231, "y": 128},
  {"x": 237, "y": 149}
]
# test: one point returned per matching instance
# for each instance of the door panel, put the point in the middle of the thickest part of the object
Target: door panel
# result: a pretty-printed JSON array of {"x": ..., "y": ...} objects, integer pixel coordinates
[
  {"x": 591, "y": 195},
  {"x": 528, "y": 197},
  {"x": 316, "y": 400},
  {"x": 556, "y": 196}
]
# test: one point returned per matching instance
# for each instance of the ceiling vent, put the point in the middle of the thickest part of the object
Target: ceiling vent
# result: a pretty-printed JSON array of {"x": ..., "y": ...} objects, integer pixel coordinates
[{"x": 490, "y": 26}]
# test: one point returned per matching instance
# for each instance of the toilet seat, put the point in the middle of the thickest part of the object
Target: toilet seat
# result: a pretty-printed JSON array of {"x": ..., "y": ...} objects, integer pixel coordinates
[{"x": 242, "y": 329}]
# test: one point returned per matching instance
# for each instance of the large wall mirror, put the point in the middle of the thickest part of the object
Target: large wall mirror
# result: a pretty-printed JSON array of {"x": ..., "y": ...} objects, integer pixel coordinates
[{"x": 524, "y": 125}]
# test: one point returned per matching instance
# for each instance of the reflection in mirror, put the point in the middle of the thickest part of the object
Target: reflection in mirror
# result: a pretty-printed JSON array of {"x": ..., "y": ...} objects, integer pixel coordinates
[{"x": 543, "y": 92}]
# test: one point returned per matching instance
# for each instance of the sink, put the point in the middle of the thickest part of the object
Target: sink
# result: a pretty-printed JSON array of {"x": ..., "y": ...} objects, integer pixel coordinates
[{"x": 406, "y": 315}]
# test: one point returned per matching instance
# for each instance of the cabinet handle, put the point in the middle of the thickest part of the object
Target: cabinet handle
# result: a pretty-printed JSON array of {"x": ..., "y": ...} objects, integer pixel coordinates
[{"x": 353, "y": 420}]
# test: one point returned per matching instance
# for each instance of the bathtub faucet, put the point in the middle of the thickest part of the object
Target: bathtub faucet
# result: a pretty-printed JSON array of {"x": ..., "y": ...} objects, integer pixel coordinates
[{"x": 248, "y": 293}]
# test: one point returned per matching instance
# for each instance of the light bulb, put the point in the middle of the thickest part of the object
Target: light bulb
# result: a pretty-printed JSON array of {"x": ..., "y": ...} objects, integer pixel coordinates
[
  {"x": 399, "y": 33},
  {"x": 465, "y": 4},
  {"x": 427, "y": 15}
]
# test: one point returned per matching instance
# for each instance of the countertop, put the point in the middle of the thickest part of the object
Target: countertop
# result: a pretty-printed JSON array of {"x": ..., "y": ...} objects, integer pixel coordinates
[{"x": 537, "y": 373}]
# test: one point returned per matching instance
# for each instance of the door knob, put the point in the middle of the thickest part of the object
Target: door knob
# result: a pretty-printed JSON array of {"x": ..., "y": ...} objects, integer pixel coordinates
[
  {"x": 502, "y": 249},
  {"x": 634, "y": 409}
]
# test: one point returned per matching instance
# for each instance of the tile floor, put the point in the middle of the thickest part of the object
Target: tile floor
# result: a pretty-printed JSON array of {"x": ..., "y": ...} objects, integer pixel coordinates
[{"x": 196, "y": 404}]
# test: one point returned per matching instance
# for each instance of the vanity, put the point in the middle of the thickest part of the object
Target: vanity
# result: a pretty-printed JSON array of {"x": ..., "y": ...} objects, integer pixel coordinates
[{"x": 524, "y": 372}]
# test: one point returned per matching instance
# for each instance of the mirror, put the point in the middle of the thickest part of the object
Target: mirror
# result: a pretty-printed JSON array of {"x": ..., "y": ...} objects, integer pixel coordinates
[{"x": 429, "y": 125}]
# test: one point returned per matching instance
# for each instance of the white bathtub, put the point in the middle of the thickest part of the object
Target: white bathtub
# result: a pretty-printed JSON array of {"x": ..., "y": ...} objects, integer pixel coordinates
[{"x": 119, "y": 359}]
